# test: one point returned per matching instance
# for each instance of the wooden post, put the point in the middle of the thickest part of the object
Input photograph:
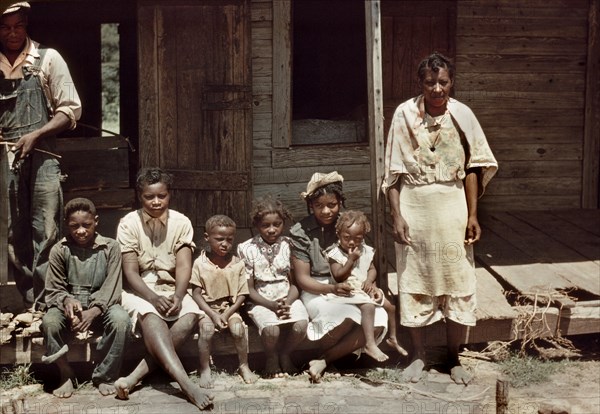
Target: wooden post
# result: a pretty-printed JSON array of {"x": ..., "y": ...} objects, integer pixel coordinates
[
  {"x": 282, "y": 74},
  {"x": 3, "y": 217},
  {"x": 376, "y": 139},
  {"x": 502, "y": 388}
]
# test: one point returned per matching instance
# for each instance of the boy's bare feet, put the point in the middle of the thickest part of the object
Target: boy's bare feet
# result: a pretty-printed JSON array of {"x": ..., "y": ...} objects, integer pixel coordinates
[
  {"x": 199, "y": 398},
  {"x": 106, "y": 389},
  {"x": 123, "y": 386},
  {"x": 393, "y": 342},
  {"x": 248, "y": 376},
  {"x": 206, "y": 380},
  {"x": 414, "y": 371},
  {"x": 460, "y": 375},
  {"x": 316, "y": 367},
  {"x": 272, "y": 368},
  {"x": 374, "y": 352},
  {"x": 287, "y": 366},
  {"x": 65, "y": 390}
]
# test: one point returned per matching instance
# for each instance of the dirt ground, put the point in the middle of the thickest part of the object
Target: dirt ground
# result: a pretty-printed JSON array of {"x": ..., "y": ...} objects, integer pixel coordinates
[{"x": 351, "y": 387}]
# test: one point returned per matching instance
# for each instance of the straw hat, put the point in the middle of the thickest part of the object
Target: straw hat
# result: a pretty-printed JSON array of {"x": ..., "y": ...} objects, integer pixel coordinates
[{"x": 319, "y": 180}]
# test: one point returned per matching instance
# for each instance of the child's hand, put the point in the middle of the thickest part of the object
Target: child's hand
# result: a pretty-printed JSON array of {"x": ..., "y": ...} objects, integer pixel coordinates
[
  {"x": 369, "y": 287},
  {"x": 218, "y": 321},
  {"x": 354, "y": 253},
  {"x": 342, "y": 289},
  {"x": 73, "y": 310},
  {"x": 283, "y": 309}
]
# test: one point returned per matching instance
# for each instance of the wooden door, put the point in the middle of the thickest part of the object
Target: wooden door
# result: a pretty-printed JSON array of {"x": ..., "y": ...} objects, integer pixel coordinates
[
  {"x": 195, "y": 103},
  {"x": 411, "y": 30}
]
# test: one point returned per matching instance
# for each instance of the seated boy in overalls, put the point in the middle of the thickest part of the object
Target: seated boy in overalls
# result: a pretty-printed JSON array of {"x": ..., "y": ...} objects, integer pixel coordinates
[{"x": 83, "y": 291}]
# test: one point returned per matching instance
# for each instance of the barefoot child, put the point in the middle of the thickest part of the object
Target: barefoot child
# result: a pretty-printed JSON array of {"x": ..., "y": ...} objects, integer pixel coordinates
[
  {"x": 157, "y": 245},
  {"x": 83, "y": 291},
  {"x": 274, "y": 305},
  {"x": 219, "y": 289},
  {"x": 351, "y": 260}
]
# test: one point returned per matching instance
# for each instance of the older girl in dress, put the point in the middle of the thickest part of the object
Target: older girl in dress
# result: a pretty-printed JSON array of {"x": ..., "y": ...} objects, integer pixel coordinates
[{"x": 274, "y": 306}]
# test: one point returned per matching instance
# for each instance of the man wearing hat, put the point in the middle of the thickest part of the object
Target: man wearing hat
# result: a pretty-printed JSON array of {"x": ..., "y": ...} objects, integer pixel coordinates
[{"x": 38, "y": 100}]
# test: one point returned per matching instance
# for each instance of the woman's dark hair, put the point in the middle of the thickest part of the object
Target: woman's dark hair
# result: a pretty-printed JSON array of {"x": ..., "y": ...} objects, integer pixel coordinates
[
  {"x": 268, "y": 205},
  {"x": 79, "y": 204},
  {"x": 335, "y": 188},
  {"x": 435, "y": 62},
  {"x": 152, "y": 175}
]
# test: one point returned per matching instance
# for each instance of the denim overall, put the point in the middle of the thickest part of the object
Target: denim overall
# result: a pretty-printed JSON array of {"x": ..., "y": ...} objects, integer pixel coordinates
[
  {"x": 34, "y": 189},
  {"x": 86, "y": 272}
]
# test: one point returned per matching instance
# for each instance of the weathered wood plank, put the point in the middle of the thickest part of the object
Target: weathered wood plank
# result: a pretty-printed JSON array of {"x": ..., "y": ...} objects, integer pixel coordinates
[
  {"x": 210, "y": 180},
  {"x": 509, "y": 26},
  {"x": 4, "y": 205},
  {"x": 543, "y": 168},
  {"x": 587, "y": 219},
  {"x": 521, "y": 45},
  {"x": 582, "y": 241},
  {"x": 303, "y": 174},
  {"x": 532, "y": 202},
  {"x": 485, "y": 63},
  {"x": 535, "y": 186},
  {"x": 484, "y": 100},
  {"x": 591, "y": 138},
  {"x": 518, "y": 84},
  {"x": 539, "y": 151},
  {"x": 540, "y": 9},
  {"x": 282, "y": 73},
  {"x": 63, "y": 145},
  {"x": 491, "y": 302},
  {"x": 106, "y": 198},
  {"x": 543, "y": 250},
  {"x": 261, "y": 11},
  {"x": 320, "y": 156}
]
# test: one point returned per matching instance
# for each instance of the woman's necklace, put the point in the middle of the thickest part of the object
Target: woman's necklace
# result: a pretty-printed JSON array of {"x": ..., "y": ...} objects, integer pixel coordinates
[{"x": 435, "y": 124}]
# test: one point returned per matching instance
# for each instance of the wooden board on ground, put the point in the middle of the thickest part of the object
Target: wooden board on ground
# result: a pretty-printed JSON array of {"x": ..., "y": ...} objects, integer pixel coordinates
[{"x": 559, "y": 266}]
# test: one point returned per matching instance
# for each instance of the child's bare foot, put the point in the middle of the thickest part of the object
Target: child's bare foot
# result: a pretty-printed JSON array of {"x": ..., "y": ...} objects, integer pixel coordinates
[
  {"x": 200, "y": 398},
  {"x": 393, "y": 342},
  {"x": 374, "y": 352},
  {"x": 460, "y": 375},
  {"x": 287, "y": 365},
  {"x": 123, "y": 386},
  {"x": 272, "y": 368},
  {"x": 106, "y": 389},
  {"x": 414, "y": 371},
  {"x": 65, "y": 390},
  {"x": 248, "y": 376},
  {"x": 316, "y": 367},
  {"x": 206, "y": 380}
]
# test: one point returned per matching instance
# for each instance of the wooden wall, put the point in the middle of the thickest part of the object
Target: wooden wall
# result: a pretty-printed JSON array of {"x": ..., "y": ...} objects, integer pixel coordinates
[
  {"x": 521, "y": 67},
  {"x": 284, "y": 172}
]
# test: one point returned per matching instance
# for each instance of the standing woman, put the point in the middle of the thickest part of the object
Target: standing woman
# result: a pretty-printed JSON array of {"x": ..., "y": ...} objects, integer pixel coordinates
[
  {"x": 335, "y": 325},
  {"x": 437, "y": 164}
]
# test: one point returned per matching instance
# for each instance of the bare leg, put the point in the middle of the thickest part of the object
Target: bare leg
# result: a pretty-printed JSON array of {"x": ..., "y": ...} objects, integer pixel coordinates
[
  {"x": 456, "y": 335},
  {"x": 367, "y": 320},
  {"x": 240, "y": 339},
  {"x": 392, "y": 328},
  {"x": 206, "y": 330},
  {"x": 346, "y": 338},
  {"x": 295, "y": 335},
  {"x": 414, "y": 371},
  {"x": 270, "y": 338},
  {"x": 66, "y": 379},
  {"x": 157, "y": 338}
]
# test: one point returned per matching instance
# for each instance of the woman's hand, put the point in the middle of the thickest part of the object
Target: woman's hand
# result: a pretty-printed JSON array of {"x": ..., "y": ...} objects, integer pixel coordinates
[
  {"x": 342, "y": 289},
  {"x": 400, "y": 230},
  {"x": 368, "y": 287},
  {"x": 176, "y": 306},
  {"x": 473, "y": 233},
  {"x": 162, "y": 304}
]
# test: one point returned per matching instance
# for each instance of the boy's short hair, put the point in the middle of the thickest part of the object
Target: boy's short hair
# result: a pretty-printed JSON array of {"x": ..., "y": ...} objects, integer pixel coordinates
[
  {"x": 153, "y": 175},
  {"x": 350, "y": 217},
  {"x": 218, "y": 220},
  {"x": 79, "y": 204}
]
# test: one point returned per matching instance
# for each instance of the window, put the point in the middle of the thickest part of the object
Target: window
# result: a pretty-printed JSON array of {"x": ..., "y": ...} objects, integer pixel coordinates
[
  {"x": 110, "y": 77},
  {"x": 329, "y": 72}
]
